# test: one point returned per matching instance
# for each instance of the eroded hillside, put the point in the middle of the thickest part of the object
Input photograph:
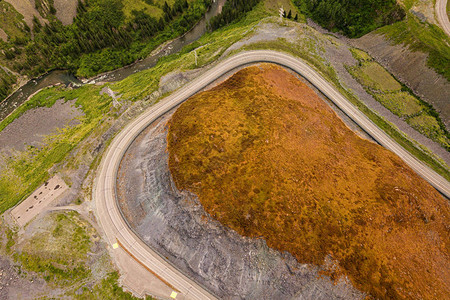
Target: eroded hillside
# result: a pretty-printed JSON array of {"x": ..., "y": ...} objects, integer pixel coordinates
[{"x": 268, "y": 158}]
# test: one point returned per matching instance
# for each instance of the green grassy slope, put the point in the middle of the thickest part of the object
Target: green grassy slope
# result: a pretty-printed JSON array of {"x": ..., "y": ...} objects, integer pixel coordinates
[
  {"x": 12, "y": 22},
  {"x": 425, "y": 37},
  {"x": 399, "y": 99}
]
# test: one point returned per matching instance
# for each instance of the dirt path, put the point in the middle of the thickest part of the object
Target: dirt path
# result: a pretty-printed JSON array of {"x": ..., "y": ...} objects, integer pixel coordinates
[{"x": 3, "y": 35}]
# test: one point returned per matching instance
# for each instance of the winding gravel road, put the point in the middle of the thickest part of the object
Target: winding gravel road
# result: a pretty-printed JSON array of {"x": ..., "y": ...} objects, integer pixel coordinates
[
  {"x": 441, "y": 14},
  {"x": 104, "y": 193}
]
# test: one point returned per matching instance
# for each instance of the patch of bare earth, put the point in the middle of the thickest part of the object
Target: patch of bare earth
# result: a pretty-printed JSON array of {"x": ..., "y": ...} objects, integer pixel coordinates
[
  {"x": 27, "y": 9},
  {"x": 66, "y": 10},
  {"x": 39, "y": 200},
  {"x": 35, "y": 124},
  {"x": 14, "y": 285},
  {"x": 3, "y": 35},
  {"x": 424, "y": 10}
]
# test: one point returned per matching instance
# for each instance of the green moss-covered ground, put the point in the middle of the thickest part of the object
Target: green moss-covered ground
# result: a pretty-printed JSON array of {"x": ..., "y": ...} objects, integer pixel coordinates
[
  {"x": 62, "y": 251},
  {"x": 59, "y": 252}
]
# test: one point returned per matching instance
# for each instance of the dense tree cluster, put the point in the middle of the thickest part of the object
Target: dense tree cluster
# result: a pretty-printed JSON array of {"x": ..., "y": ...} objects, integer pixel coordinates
[
  {"x": 101, "y": 31},
  {"x": 354, "y": 18},
  {"x": 232, "y": 10}
]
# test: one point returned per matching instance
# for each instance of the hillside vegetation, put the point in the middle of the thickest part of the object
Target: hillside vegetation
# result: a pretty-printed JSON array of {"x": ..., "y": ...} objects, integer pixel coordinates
[
  {"x": 104, "y": 35},
  {"x": 399, "y": 99},
  {"x": 231, "y": 11},
  {"x": 6, "y": 82},
  {"x": 282, "y": 166},
  {"x": 63, "y": 249},
  {"x": 47, "y": 253},
  {"x": 424, "y": 37},
  {"x": 353, "y": 18},
  {"x": 24, "y": 172}
]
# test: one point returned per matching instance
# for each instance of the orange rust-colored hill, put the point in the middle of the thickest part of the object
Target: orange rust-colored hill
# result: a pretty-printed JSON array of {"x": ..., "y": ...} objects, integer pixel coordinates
[{"x": 268, "y": 158}]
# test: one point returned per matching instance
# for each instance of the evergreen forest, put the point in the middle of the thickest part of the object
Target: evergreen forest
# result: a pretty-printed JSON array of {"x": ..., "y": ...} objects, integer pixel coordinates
[
  {"x": 353, "y": 18},
  {"x": 233, "y": 10},
  {"x": 100, "y": 38}
]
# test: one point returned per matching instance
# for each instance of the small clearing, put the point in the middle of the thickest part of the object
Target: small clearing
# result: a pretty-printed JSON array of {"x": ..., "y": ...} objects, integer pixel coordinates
[
  {"x": 138, "y": 5},
  {"x": 423, "y": 9},
  {"x": 376, "y": 77},
  {"x": 39, "y": 200}
]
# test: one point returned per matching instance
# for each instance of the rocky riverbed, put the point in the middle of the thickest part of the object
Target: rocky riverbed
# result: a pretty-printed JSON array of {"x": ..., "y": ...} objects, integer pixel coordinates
[{"x": 175, "y": 224}]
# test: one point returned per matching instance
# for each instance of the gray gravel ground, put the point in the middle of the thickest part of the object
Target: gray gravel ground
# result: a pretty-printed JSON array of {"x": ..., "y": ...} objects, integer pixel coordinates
[
  {"x": 66, "y": 10},
  {"x": 15, "y": 286},
  {"x": 33, "y": 125}
]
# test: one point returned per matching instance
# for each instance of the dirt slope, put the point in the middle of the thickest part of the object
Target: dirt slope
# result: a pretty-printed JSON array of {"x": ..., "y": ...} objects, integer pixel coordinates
[
  {"x": 66, "y": 10},
  {"x": 27, "y": 9},
  {"x": 269, "y": 159}
]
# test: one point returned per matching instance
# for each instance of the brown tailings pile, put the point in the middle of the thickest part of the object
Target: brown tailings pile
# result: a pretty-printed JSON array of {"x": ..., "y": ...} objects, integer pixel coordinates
[{"x": 268, "y": 158}]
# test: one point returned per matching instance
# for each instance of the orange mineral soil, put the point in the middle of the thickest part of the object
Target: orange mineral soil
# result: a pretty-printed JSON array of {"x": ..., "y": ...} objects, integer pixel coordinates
[{"x": 269, "y": 158}]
